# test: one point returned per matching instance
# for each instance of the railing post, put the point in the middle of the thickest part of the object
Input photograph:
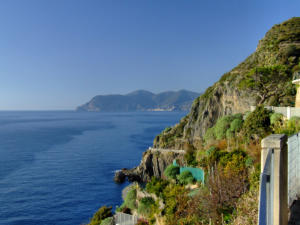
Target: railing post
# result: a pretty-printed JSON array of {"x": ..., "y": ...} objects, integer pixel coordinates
[{"x": 277, "y": 142}]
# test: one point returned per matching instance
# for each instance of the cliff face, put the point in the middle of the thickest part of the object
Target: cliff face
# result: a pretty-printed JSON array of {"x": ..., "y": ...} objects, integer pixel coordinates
[
  {"x": 280, "y": 46},
  {"x": 153, "y": 163}
]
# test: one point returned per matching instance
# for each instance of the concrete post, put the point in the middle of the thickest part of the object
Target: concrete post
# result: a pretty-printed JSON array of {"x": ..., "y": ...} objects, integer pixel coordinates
[
  {"x": 278, "y": 142},
  {"x": 288, "y": 112}
]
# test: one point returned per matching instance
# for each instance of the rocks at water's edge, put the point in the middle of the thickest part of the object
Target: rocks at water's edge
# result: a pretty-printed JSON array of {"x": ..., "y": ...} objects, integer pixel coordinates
[{"x": 153, "y": 163}]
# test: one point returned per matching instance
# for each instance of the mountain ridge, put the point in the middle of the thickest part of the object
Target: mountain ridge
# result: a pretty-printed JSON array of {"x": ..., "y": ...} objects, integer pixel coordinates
[{"x": 141, "y": 100}]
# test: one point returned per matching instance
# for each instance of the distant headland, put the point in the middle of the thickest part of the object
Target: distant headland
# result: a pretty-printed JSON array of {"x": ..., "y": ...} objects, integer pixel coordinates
[{"x": 141, "y": 100}]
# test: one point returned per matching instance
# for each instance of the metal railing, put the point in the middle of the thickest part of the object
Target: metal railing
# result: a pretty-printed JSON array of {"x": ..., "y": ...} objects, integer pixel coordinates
[
  {"x": 293, "y": 168},
  {"x": 125, "y": 219},
  {"x": 273, "y": 196},
  {"x": 266, "y": 191}
]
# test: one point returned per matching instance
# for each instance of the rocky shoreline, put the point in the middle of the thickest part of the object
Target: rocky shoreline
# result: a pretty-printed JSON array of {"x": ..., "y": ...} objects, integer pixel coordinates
[{"x": 153, "y": 163}]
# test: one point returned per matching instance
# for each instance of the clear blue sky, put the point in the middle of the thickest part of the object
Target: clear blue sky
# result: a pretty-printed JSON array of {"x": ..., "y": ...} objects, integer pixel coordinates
[{"x": 57, "y": 54}]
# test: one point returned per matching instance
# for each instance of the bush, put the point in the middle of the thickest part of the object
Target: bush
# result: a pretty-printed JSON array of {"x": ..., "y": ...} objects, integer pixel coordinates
[
  {"x": 146, "y": 206},
  {"x": 210, "y": 150},
  {"x": 103, "y": 213},
  {"x": 275, "y": 118},
  {"x": 107, "y": 221},
  {"x": 257, "y": 124},
  {"x": 236, "y": 125},
  {"x": 209, "y": 134},
  {"x": 190, "y": 157},
  {"x": 171, "y": 171},
  {"x": 221, "y": 127},
  {"x": 156, "y": 186},
  {"x": 289, "y": 127},
  {"x": 185, "y": 178},
  {"x": 130, "y": 199},
  {"x": 142, "y": 222},
  {"x": 226, "y": 127}
]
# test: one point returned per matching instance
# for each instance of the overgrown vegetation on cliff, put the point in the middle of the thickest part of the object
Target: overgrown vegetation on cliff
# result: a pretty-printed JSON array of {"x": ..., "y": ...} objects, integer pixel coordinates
[
  {"x": 264, "y": 77},
  {"x": 223, "y": 138},
  {"x": 232, "y": 166}
]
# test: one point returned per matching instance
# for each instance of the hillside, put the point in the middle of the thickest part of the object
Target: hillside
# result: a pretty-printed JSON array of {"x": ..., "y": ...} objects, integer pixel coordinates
[
  {"x": 280, "y": 48},
  {"x": 141, "y": 100}
]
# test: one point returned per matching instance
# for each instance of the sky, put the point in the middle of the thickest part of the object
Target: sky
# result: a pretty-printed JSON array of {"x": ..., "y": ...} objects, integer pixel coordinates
[{"x": 58, "y": 54}]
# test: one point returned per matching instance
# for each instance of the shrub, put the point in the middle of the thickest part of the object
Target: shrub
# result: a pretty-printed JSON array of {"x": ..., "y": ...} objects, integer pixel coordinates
[
  {"x": 142, "y": 222},
  {"x": 107, "y": 221},
  {"x": 126, "y": 210},
  {"x": 276, "y": 118},
  {"x": 209, "y": 134},
  {"x": 229, "y": 134},
  {"x": 146, "y": 206},
  {"x": 103, "y": 213},
  {"x": 156, "y": 186},
  {"x": 211, "y": 150},
  {"x": 289, "y": 127},
  {"x": 185, "y": 178},
  {"x": 225, "y": 127},
  {"x": 171, "y": 171},
  {"x": 167, "y": 129},
  {"x": 130, "y": 199},
  {"x": 190, "y": 157},
  {"x": 221, "y": 127},
  {"x": 249, "y": 162},
  {"x": 236, "y": 125},
  {"x": 257, "y": 124}
]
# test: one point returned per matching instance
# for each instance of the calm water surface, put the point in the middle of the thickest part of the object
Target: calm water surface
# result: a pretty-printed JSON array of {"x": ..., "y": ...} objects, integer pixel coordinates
[{"x": 58, "y": 167}]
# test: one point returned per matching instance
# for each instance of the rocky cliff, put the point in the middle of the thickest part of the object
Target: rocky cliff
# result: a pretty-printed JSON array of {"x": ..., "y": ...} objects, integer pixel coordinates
[
  {"x": 280, "y": 46},
  {"x": 153, "y": 163}
]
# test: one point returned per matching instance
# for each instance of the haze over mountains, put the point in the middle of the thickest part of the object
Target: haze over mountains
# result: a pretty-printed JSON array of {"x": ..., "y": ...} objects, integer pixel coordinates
[{"x": 141, "y": 100}]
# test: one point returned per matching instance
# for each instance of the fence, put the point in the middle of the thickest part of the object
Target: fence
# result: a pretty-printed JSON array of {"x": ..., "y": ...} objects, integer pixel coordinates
[
  {"x": 266, "y": 192},
  {"x": 125, "y": 219},
  {"x": 197, "y": 173},
  {"x": 293, "y": 168},
  {"x": 273, "y": 208}
]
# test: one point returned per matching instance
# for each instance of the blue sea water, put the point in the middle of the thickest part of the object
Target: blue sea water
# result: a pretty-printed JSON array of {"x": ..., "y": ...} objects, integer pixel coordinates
[{"x": 57, "y": 168}]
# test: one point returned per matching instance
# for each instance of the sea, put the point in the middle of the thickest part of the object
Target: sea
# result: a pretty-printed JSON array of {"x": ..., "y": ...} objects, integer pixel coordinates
[{"x": 57, "y": 167}]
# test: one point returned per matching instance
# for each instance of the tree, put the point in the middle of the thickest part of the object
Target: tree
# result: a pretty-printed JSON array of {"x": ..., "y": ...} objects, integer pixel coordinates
[
  {"x": 257, "y": 124},
  {"x": 267, "y": 81}
]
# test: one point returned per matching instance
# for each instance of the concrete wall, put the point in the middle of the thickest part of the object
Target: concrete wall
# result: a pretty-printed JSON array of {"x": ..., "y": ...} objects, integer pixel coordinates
[
  {"x": 287, "y": 112},
  {"x": 277, "y": 144}
]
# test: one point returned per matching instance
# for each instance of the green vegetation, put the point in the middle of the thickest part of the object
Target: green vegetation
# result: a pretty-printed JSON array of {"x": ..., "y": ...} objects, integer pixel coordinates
[
  {"x": 156, "y": 186},
  {"x": 276, "y": 118},
  {"x": 129, "y": 203},
  {"x": 257, "y": 124},
  {"x": 288, "y": 127},
  {"x": 227, "y": 146},
  {"x": 103, "y": 213},
  {"x": 130, "y": 200},
  {"x": 147, "y": 206},
  {"x": 171, "y": 171},
  {"x": 185, "y": 178},
  {"x": 190, "y": 157},
  {"x": 107, "y": 221},
  {"x": 226, "y": 126},
  {"x": 264, "y": 82}
]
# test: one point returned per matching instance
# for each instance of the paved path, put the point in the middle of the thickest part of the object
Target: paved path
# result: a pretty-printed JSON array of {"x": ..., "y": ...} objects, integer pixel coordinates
[{"x": 166, "y": 150}]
